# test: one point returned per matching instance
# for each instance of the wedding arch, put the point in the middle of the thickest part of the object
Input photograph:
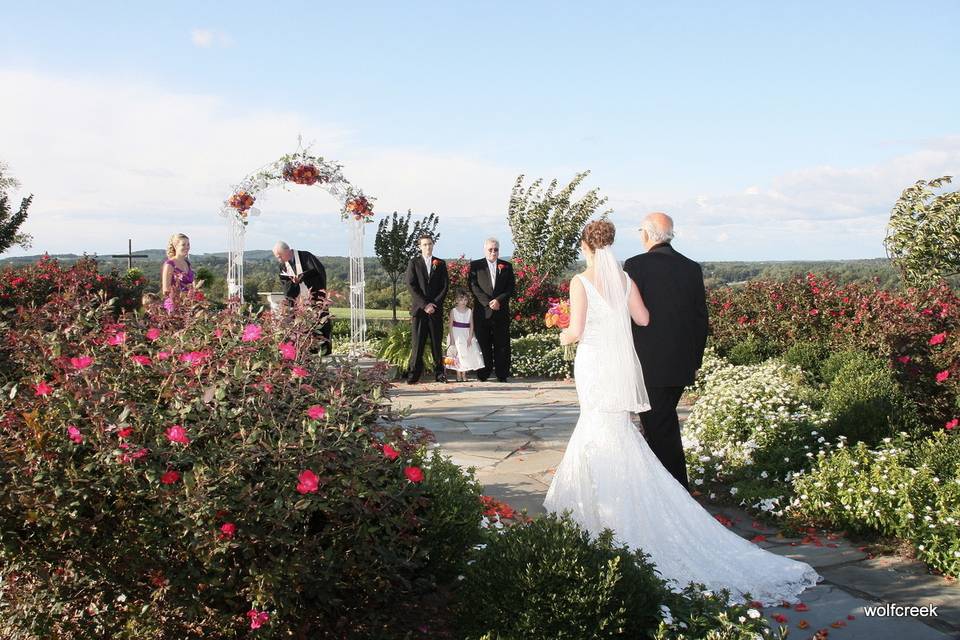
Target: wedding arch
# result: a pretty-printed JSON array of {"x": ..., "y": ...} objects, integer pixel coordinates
[{"x": 301, "y": 168}]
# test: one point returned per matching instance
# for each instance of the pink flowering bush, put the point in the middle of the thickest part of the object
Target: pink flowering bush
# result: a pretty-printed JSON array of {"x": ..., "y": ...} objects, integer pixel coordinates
[
  {"x": 205, "y": 475},
  {"x": 35, "y": 284}
]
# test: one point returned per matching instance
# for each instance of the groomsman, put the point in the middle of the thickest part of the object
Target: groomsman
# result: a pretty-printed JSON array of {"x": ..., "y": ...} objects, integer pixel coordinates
[
  {"x": 427, "y": 281},
  {"x": 670, "y": 348},
  {"x": 492, "y": 283}
]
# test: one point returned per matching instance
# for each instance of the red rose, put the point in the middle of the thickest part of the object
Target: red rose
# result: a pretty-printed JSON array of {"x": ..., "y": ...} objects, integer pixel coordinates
[
  {"x": 170, "y": 477},
  {"x": 500, "y": 266},
  {"x": 943, "y": 375},
  {"x": 950, "y": 426},
  {"x": 390, "y": 453},
  {"x": 435, "y": 262},
  {"x": 937, "y": 339},
  {"x": 413, "y": 474},
  {"x": 308, "y": 482},
  {"x": 227, "y": 530}
]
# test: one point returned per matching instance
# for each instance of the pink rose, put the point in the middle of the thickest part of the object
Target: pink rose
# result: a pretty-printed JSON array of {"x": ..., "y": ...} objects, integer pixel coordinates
[
  {"x": 308, "y": 482},
  {"x": 950, "y": 426},
  {"x": 227, "y": 530},
  {"x": 153, "y": 333},
  {"x": 943, "y": 375},
  {"x": 316, "y": 412},
  {"x": 81, "y": 363},
  {"x": 390, "y": 453},
  {"x": 288, "y": 351},
  {"x": 251, "y": 332},
  {"x": 117, "y": 339},
  {"x": 42, "y": 388},
  {"x": 937, "y": 339},
  {"x": 143, "y": 361},
  {"x": 75, "y": 434},
  {"x": 257, "y": 618},
  {"x": 163, "y": 355},
  {"x": 413, "y": 474},
  {"x": 170, "y": 477},
  {"x": 178, "y": 434},
  {"x": 300, "y": 372}
]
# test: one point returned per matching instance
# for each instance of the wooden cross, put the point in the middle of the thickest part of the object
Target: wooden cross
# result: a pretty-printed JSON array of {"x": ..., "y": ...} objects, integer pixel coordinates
[{"x": 130, "y": 255}]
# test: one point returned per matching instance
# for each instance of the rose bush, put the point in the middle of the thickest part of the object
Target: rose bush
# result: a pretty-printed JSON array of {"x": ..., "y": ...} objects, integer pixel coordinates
[
  {"x": 199, "y": 474},
  {"x": 34, "y": 284}
]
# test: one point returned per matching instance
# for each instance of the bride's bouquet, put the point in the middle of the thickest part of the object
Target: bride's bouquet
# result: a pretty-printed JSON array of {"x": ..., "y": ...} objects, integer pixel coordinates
[{"x": 558, "y": 315}]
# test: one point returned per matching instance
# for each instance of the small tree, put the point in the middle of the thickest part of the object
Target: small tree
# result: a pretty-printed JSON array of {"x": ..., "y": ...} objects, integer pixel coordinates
[
  {"x": 9, "y": 221},
  {"x": 546, "y": 224},
  {"x": 923, "y": 236},
  {"x": 396, "y": 244}
]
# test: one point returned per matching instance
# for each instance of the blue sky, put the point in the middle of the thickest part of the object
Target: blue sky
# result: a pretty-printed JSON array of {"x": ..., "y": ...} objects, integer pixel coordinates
[{"x": 769, "y": 132}]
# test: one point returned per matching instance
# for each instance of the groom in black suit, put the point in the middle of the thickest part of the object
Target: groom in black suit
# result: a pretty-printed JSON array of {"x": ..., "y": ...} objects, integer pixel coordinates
[
  {"x": 671, "y": 347},
  {"x": 492, "y": 283},
  {"x": 427, "y": 281}
]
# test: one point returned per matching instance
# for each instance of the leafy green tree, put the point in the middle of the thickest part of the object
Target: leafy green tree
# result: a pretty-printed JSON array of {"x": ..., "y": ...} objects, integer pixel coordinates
[
  {"x": 923, "y": 235},
  {"x": 9, "y": 221},
  {"x": 546, "y": 223},
  {"x": 396, "y": 244}
]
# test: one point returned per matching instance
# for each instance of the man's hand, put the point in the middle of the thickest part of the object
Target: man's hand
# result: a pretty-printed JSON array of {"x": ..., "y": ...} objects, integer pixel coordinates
[
  {"x": 495, "y": 304},
  {"x": 430, "y": 308}
]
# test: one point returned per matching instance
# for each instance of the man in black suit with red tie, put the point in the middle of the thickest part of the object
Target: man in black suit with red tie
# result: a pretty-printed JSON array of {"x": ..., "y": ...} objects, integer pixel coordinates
[
  {"x": 427, "y": 281},
  {"x": 670, "y": 348},
  {"x": 492, "y": 283}
]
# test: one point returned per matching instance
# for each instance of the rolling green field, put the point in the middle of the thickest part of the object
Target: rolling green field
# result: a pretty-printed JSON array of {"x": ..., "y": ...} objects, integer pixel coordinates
[{"x": 344, "y": 312}]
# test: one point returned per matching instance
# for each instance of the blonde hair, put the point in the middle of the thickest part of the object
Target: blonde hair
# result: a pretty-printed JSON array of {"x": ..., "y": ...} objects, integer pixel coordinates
[{"x": 172, "y": 244}]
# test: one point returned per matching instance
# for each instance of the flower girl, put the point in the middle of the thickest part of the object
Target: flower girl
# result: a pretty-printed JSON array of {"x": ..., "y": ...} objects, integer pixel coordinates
[{"x": 461, "y": 339}]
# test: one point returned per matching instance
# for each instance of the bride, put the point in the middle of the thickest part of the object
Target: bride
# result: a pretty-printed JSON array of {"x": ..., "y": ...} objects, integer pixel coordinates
[{"x": 609, "y": 477}]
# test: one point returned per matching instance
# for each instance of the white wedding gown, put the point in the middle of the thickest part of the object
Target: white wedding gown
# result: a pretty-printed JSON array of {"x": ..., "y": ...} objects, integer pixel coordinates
[{"x": 610, "y": 478}]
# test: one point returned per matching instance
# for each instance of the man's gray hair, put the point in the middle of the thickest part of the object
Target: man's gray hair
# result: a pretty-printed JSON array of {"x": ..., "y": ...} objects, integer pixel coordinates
[
  {"x": 655, "y": 232},
  {"x": 282, "y": 246},
  {"x": 491, "y": 240}
]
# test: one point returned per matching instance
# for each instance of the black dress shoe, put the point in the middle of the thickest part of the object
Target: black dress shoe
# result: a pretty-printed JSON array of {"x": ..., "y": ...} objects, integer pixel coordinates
[
  {"x": 482, "y": 378},
  {"x": 441, "y": 378},
  {"x": 501, "y": 379},
  {"x": 412, "y": 381}
]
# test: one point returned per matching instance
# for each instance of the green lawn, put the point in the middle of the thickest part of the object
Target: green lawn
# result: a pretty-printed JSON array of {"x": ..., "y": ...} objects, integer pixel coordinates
[{"x": 344, "y": 312}]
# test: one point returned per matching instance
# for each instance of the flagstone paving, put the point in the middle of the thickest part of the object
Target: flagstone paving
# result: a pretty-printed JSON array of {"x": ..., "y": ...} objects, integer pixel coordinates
[{"x": 514, "y": 434}]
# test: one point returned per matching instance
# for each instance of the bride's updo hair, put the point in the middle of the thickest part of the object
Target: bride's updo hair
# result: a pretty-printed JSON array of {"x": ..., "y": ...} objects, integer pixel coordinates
[
  {"x": 598, "y": 234},
  {"x": 172, "y": 244}
]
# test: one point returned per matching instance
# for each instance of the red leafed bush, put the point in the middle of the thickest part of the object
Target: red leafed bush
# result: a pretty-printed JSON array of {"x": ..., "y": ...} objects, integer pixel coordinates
[
  {"x": 202, "y": 474},
  {"x": 35, "y": 284}
]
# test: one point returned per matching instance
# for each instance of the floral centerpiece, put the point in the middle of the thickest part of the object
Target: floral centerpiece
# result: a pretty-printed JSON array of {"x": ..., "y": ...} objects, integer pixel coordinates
[
  {"x": 303, "y": 173},
  {"x": 359, "y": 207},
  {"x": 241, "y": 201}
]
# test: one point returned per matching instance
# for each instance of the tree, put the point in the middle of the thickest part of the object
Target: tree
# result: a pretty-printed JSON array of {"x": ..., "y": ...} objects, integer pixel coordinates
[
  {"x": 10, "y": 222},
  {"x": 923, "y": 235},
  {"x": 546, "y": 224},
  {"x": 396, "y": 244}
]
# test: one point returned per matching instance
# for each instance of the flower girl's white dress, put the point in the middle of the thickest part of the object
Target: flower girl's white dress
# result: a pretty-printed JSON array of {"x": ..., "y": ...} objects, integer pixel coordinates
[
  {"x": 468, "y": 358},
  {"x": 610, "y": 478}
]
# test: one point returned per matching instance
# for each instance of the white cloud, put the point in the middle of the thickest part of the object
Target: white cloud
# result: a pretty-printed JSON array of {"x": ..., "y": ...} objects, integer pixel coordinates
[{"x": 208, "y": 38}]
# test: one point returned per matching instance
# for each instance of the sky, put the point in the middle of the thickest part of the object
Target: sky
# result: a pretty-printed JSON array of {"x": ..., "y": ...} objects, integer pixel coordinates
[{"x": 768, "y": 132}]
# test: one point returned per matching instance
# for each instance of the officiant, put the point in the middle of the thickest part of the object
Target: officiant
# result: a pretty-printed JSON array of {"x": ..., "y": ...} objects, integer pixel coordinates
[{"x": 304, "y": 281}]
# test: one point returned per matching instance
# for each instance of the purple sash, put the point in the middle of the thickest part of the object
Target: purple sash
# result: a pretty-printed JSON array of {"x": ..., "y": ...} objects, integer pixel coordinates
[{"x": 462, "y": 325}]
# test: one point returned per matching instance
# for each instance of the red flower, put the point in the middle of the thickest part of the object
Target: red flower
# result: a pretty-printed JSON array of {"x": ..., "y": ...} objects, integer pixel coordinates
[
  {"x": 288, "y": 351},
  {"x": 170, "y": 477},
  {"x": 75, "y": 434},
  {"x": 300, "y": 372},
  {"x": 500, "y": 266},
  {"x": 81, "y": 363},
  {"x": 143, "y": 361},
  {"x": 937, "y": 339},
  {"x": 193, "y": 358},
  {"x": 779, "y": 617},
  {"x": 801, "y": 607},
  {"x": 153, "y": 333},
  {"x": 42, "y": 388},
  {"x": 743, "y": 320},
  {"x": 903, "y": 359},
  {"x": 435, "y": 262},
  {"x": 814, "y": 312},
  {"x": 227, "y": 530},
  {"x": 316, "y": 412},
  {"x": 758, "y": 538},
  {"x": 308, "y": 482},
  {"x": 124, "y": 432},
  {"x": 117, "y": 339},
  {"x": 251, "y": 333},
  {"x": 950, "y": 426},
  {"x": 257, "y": 618},
  {"x": 413, "y": 474},
  {"x": 943, "y": 375},
  {"x": 390, "y": 453},
  {"x": 163, "y": 355},
  {"x": 177, "y": 434}
]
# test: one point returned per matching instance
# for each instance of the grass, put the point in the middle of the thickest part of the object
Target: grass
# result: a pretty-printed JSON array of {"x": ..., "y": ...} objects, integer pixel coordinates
[{"x": 344, "y": 312}]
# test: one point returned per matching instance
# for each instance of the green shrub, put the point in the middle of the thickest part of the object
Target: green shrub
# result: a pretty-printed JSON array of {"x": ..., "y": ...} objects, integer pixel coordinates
[
  {"x": 808, "y": 355},
  {"x": 549, "y": 580},
  {"x": 538, "y": 355},
  {"x": 153, "y": 480},
  {"x": 396, "y": 349},
  {"x": 864, "y": 399},
  {"x": 749, "y": 351},
  {"x": 891, "y": 491}
]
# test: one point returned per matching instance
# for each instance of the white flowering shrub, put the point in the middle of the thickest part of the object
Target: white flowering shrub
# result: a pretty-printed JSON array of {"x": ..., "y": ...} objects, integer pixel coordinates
[
  {"x": 752, "y": 426},
  {"x": 538, "y": 355},
  {"x": 904, "y": 489}
]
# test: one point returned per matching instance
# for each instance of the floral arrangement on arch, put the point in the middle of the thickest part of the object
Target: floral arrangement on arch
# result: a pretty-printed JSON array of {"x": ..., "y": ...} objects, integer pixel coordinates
[{"x": 300, "y": 167}]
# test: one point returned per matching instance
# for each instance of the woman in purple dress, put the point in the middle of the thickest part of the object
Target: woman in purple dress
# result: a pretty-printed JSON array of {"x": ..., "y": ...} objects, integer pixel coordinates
[{"x": 177, "y": 274}]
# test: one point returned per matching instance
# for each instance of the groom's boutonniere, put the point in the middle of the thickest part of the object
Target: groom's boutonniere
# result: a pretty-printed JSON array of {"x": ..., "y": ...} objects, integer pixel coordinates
[
  {"x": 435, "y": 262},
  {"x": 500, "y": 266}
]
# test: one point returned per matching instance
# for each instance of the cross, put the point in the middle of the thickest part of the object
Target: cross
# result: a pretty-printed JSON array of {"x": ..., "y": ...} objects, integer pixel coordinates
[{"x": 130, "y": 255}]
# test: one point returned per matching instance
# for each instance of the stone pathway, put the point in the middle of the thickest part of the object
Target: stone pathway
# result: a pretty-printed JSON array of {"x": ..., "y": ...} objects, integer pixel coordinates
[{"x": 514, "y": 435}]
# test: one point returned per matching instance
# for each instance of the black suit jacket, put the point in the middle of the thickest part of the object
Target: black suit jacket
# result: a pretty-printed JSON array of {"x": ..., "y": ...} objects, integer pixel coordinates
[
  {"x": 314, "y": 276},
  {"x": 423, "y": 289},
  {"x": 671, "y": 347},
  {"x": 484, "y": 291}
]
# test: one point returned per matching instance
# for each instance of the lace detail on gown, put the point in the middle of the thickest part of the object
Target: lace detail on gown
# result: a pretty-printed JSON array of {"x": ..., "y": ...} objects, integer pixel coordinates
[{"x": 609, "y": 478}]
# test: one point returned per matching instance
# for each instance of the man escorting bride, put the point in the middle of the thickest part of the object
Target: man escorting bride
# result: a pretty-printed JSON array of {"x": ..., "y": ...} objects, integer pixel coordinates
[{"x": 610, "y": 478}]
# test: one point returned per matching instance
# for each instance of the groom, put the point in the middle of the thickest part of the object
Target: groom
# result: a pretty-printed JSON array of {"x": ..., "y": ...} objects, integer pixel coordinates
[
  {"x": 671, "y": 347},
  {"x": 427, "y": 281}
]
